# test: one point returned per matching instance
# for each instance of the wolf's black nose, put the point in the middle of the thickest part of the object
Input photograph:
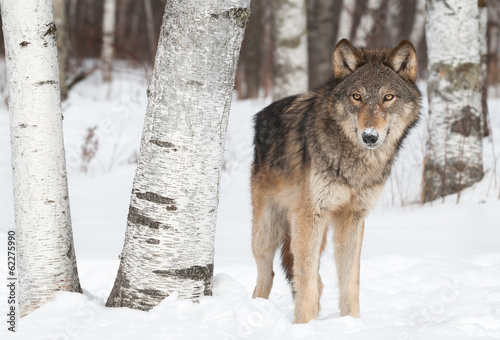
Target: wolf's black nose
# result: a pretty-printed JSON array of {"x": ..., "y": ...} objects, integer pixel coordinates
[{"x": 370, "y": 137}]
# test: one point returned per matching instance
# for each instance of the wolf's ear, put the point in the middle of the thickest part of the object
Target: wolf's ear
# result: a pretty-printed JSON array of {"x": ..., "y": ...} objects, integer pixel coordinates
[
  {"x": 403, "y": 60},
  {"x": 345, "y": 59}
]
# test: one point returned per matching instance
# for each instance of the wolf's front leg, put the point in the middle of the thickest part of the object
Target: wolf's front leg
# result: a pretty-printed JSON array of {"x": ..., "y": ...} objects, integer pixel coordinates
[
  {"x": 348, "y": 236},
  {"x": 308, "y": 234}
]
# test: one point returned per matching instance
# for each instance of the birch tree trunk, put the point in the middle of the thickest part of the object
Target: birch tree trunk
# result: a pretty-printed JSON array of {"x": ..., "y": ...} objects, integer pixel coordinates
[
  {"x": 368, "y": 22},
  {"x": 483, "y": 49},
  {"x": 169, "y": 243},
  {"x": 46, "y": 255},
  {"x": 454, "y": 150},
  {"x": 346, "y": 19},
  {"x": 320, "y": 40},
  {"x": 290, "y": 74},
  {"x": 108, "y": 39},
  {"x": 62, "y": 44}
]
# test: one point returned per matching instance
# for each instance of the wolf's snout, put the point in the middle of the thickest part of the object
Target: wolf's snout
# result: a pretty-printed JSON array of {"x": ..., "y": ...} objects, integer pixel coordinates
[{"x": 369, "y": 137}]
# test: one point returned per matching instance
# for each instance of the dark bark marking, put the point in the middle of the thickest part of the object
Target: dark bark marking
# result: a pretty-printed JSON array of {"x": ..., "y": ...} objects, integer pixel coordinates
[
  {"x": 116, "y": 297},
  {"x": 468, "y": 124},
  {"x": 153, "y": 292},
  {"x": 152, "y": 241},
  {"x": 239, "y": 14},
  {"x": 462, "y": 76},
  {"x": 163, "y": 144},
  {"x": 40, "y": 83},
  {"x": 171, "y": 208},
  {"x": 155, "y": 198},
  {"x": 195, "y": 82},
  {"x": 24, "y": 44},
  {"x": 291, "y": 43},
  {"x": 136, "y": 217},
  {"x": 49, "y": 201},
  {"x": 51, "y": 29},
  {"x": 196, "y": 273},
  {"x": 439, "y": 180},
  {"x": 23, "y": 126}
]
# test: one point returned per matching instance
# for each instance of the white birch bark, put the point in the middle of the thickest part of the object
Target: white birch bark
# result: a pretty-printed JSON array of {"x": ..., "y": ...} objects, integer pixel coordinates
[
  {"x": 290, "y": 74},
  {"x": 108, "y": 39},
  {"x": 346, "y": 19},
  {"x": 454, "y": 149},
  {"x": 169, "y": 243},
  {"x": 62, "y": 44},
  {"x": 417, "y": 31},
  {"x": 367, "y": 23},
  {"x": 46, "y": 255}
]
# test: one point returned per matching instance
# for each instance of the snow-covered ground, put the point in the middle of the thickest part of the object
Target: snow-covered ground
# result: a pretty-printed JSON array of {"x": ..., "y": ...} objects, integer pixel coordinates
[{"x": 427, "y": 272}]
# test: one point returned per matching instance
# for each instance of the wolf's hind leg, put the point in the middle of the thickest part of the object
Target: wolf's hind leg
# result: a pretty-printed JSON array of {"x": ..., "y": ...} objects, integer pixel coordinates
[
  {"x": 267, "y": 234},
  {"x": 348, "y": 237}
]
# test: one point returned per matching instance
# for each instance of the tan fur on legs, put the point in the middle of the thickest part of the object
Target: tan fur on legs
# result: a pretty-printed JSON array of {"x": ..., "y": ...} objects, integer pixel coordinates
[
  {"x": 348, "y": 237},
  {"x": 269, "y": 227},
  {"x": 307, "y": 238}
]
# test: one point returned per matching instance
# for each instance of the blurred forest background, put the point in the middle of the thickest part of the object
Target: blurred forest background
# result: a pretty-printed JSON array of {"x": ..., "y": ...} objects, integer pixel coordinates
[{"x": 369, "y": 23}]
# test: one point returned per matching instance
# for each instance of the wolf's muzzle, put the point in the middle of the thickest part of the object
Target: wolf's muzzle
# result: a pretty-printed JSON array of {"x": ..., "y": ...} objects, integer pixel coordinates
[{"x": 369, "y": 137}]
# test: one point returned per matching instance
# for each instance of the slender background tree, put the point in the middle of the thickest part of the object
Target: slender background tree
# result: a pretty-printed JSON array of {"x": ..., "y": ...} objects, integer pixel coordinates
[
  {"x": 46, "y": 255},
  {"x": 108, "y": 38},
  {"x": 483, "y": 55},
  {"x": 368, "y": 22},
  {"x": 320, "y": 40},
  {"x": 169, "y": 243},
  {"x": 290, "y": 74}
]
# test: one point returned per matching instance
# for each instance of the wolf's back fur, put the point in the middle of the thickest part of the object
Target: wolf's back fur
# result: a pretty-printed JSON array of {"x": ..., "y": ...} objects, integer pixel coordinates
[{"x": 322, "y": 158}]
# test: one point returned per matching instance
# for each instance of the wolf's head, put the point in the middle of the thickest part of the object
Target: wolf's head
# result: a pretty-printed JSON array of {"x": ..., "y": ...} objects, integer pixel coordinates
[{"x": 375, "y": 92}]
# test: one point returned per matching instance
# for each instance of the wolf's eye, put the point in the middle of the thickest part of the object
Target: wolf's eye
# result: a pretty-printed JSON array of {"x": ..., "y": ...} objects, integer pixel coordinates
[
  {"x": 388, "y": 97},
  {"x": 356, "y": 97}
]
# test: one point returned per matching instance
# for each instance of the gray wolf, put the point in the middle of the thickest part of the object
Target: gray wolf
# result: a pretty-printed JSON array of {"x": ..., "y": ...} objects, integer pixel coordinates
[{"x": 322, "y": 158}]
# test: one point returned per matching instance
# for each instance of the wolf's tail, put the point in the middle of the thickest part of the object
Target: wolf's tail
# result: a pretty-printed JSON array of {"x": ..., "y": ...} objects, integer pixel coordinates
[{"x": 287, "y": 260}]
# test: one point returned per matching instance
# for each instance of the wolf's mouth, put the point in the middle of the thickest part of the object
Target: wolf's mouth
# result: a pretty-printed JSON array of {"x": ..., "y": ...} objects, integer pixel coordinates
[{"x": 370, "y": 147}]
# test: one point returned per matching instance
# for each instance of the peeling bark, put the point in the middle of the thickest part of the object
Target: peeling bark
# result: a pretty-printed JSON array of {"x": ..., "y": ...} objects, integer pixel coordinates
[{"x": 169, "y": 242}]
